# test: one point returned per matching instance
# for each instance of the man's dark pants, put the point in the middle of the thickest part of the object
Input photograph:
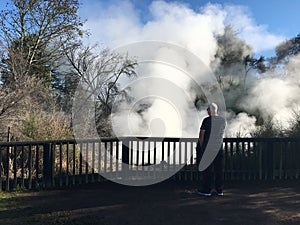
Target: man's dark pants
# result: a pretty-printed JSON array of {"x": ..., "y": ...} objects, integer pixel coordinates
[{"x": 213, "y": 174}]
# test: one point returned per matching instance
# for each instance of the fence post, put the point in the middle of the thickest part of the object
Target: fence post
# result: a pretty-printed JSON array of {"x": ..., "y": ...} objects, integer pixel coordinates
[
  {"x": 0, "y": 169},
  {"x": 7, "y": 169},
  {"x": 47, "y": 165},
  {"x": 270, "y": 159},
  {"x": 30, "y": 166},
  {"x": 125, "y": 155},
  {"x": 8, "y": 160}
]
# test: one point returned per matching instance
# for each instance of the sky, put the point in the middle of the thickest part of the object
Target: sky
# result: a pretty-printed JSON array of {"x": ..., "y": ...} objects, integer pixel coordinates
[
  {"x": 263, "y": 24},
  {"x": 280, "y": 16},
  {"x": 269, "y": 22},
  {"x": 275, "y": 20}
]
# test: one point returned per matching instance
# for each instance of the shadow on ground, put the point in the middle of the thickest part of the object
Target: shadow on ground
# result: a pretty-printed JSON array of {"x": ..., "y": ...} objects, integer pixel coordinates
[{"x": 247, "y": 203}]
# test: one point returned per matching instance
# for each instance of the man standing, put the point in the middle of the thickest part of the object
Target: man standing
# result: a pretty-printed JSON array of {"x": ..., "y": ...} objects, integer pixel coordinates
[{"x": 210, "y": 151}]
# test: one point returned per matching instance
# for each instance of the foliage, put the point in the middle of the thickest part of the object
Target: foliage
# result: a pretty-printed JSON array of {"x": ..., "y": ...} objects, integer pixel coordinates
[
  {"x": 234, "y": 59},
  {"x": 231, "y": 49},
  {"x": 251, "y": 63},
  {"x": 267, "y": 129},
  {"x": 34, "y": 36},
  {"x": 287, "y": 49},
  {"x": 294, "y": 130},
  {"x": 47, "y": 126},
  {"x": 39, "y": 32},
  {"x": 23, "y": 95}
]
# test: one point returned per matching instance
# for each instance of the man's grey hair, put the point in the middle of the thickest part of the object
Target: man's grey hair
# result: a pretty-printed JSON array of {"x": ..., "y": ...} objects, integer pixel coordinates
[{"x": 213, "y": 108}]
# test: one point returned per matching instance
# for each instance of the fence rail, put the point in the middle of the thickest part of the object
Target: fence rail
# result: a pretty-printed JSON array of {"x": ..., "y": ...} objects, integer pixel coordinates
[{"x": 69, "y": 162}]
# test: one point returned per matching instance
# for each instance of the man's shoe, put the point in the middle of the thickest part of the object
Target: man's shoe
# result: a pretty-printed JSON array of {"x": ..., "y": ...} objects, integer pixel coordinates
[
  {"x": 219, "y": 193},
  {"x": 203, "y": 193}
]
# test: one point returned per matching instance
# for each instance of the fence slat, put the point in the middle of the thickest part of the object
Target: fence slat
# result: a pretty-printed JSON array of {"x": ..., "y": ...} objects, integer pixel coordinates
[
  {"x": 53, "y": 163},
  {"x": 1, "y": 171},
  {"x": 99, "y": 161},
  {"x": 7, "y": 168},
  {"x": 86, "y": 163},
  {"x": 80, "y": 163},
  {"x": 93, "y": 162},
  {"x": 37, "y": 165},
  {"x": 67, "y": 164},
  {"x": 29, "y": 166},
  {"x": 15, "y": 167},
  {"x": 60, "y": 165}
]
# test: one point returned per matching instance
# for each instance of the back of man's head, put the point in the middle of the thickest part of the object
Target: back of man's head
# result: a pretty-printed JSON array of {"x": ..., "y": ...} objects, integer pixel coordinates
[{"x": 213, "y": 108}]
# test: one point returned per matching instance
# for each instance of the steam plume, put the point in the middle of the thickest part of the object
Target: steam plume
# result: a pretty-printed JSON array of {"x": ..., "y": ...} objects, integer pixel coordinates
[{"x": 194, "y": 29}]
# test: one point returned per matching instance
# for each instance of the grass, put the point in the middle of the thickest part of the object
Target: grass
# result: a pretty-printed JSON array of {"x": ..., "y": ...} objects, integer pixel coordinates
[
  {"x": 249, "y": 203},
  {"x": 9, "y": 206},
  {"x": 7, "y": 201},
  {"x": 14, "y": 212},
  {"x": 10, "y": 209}
]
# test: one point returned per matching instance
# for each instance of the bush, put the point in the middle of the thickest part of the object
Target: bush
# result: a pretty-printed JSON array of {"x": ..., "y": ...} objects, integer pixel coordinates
[
  {"x": 294, "y": 131},
  {"x": 268, "y": 129},
  {"x": 47, "y": 126}
]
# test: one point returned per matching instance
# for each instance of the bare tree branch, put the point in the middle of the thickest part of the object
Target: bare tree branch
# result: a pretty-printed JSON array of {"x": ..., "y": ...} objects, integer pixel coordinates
[{"x": 100, "y": 74}]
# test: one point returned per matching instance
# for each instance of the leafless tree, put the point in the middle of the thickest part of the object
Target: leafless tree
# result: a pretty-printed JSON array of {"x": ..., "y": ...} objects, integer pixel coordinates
[
  {"x": 18, "y": 94},
  {"x": 100, "y": 73}
]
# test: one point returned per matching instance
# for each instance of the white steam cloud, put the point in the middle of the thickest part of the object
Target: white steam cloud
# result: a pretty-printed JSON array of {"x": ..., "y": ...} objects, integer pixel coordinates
[
  {"x": 255, "y": 35},
  {"x": 116, "y": 24},
  {"x": 277, "y": 95}
]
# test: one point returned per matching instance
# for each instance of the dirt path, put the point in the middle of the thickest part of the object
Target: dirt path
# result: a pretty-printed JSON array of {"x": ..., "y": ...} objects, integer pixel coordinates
[{"x": 169, "y": 203}]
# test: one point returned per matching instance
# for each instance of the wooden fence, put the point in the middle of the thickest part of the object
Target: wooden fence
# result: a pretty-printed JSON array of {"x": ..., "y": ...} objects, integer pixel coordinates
[{"x": 68, "y": 162}]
